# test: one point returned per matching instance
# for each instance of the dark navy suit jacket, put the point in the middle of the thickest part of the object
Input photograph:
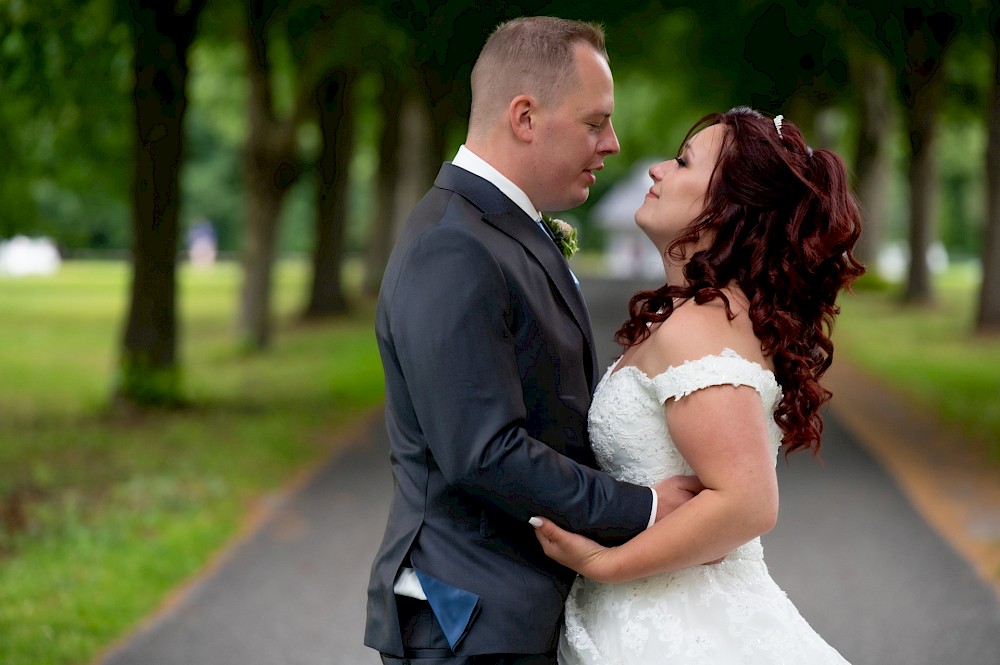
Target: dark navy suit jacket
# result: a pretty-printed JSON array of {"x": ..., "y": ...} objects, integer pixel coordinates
[{"x": 490, "y": 368}]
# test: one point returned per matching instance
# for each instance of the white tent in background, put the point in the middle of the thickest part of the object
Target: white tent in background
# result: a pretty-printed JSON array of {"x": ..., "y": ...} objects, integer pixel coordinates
[
  {"x": 627, "y": 251},
  {"x": 28, "y": 256}
]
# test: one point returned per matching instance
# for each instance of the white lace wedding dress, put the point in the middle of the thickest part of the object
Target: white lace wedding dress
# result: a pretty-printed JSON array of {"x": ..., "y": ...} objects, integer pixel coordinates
[{"x": 729, "y": 613}]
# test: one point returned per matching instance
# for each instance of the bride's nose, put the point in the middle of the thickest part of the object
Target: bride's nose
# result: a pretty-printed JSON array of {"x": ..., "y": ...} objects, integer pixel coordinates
[{"x": 656, "y": 171}]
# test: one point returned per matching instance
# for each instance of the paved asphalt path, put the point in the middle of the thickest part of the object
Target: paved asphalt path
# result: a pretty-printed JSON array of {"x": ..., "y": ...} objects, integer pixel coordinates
[{"x": 863, "y": 567}]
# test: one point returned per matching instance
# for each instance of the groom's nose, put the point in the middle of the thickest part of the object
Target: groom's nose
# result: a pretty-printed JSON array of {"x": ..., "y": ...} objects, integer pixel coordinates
[{"x": 608, "y": 145}]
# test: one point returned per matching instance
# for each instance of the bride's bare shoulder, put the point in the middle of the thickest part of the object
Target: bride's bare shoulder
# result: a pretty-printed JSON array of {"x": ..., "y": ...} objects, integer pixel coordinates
[{"x": 696, "y": 330}]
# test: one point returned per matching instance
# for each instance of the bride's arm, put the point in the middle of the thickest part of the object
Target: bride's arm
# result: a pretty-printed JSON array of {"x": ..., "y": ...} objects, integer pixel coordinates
[{"x": 722, "y": 432}]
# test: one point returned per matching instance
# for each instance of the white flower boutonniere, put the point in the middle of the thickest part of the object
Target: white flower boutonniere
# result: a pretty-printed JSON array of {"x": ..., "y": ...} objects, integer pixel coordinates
[{"x": 564, "y": 233}]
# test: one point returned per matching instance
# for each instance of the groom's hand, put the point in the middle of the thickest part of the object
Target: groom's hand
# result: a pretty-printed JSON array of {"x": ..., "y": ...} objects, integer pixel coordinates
[{"x": 673, "y": 492}]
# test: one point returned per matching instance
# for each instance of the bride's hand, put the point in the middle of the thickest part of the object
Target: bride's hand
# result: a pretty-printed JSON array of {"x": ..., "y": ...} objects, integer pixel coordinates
[{"x": 572, "y": 550}]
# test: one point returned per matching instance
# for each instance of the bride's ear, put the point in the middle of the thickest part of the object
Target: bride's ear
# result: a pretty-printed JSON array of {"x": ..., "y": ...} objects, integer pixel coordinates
[{"x": 522, "y": 116}]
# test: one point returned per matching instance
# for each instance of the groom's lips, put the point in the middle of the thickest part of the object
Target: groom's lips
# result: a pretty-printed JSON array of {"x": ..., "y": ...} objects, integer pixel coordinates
[{"x": 592, "y": 172}]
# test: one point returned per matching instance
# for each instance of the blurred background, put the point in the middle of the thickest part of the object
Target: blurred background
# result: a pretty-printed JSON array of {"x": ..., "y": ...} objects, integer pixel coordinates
[{"x": 198, "y": 198}]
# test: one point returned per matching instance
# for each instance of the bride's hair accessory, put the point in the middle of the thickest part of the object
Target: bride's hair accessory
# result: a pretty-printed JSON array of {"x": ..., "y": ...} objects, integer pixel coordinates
[{"x": 777, "y": 126}]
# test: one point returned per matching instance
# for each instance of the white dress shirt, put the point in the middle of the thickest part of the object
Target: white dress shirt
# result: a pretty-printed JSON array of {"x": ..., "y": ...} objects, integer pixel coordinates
[{"x": 473, "y": 163}]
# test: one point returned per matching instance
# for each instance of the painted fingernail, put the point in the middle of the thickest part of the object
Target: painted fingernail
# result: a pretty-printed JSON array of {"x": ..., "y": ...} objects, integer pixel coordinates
[{"x": 535, "y": 522}]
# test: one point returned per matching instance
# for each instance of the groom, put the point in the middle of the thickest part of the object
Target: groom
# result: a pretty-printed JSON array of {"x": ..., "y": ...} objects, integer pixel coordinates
[{"x": 490, "y": 366}]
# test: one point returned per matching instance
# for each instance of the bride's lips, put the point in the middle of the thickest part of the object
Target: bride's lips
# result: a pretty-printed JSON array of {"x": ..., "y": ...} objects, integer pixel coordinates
[{"x": 651, "y": 194}]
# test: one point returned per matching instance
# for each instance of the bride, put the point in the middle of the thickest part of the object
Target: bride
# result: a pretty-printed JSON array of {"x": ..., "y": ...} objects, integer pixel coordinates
[{"x": 721, "y": 366}]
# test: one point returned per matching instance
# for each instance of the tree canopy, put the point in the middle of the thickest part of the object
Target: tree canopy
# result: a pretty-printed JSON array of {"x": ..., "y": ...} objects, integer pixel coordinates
[{"x": 66, "y": 74}]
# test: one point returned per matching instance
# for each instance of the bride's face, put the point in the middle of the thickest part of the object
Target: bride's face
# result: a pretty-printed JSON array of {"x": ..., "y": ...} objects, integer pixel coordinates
[{"x": 678, "y": 195}]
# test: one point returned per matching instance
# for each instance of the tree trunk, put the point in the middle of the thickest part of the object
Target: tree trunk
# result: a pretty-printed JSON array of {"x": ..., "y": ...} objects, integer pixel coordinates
[
  {"x": 418, "y": 164},
  {"x": 163, "y": 35},
  {"x": 264, "y": 201},
  {"x": 419, "y": 160},
  {"x": 922, "y": 175},
  {"x": 927, "y": 36},
  {"x": 334, "y": 101},
  {"x": 270, "y": 170},
  {"x": 383, "y": 229},
  {"x": 989, "y": 297},
  {"x": 873, "y": 168},
  {"x": 441, "y": 98}
]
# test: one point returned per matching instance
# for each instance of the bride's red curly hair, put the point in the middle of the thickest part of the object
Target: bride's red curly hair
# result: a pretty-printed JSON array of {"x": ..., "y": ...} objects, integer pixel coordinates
[{"x": 783, "y": 224}]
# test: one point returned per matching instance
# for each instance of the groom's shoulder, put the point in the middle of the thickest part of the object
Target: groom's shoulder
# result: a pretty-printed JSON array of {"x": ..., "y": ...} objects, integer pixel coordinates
[
  {"x": 447, "y": 219},
  {"x": 453, "y": 213},
  {"x": 440, "y": 207},
  {"x": 481, "y": 194},
  {"x": 445, "y": 212}
]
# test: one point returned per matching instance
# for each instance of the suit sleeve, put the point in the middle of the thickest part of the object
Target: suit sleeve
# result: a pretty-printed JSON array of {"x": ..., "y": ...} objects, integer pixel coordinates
[{"x": 451, "y": 327}]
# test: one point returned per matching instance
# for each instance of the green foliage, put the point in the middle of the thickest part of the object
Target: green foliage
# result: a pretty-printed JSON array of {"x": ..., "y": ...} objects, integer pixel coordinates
[
  {"x": 217, "y": 123},
  {"x": 64, "y": 80},
  {"x": 102, "y": 513},
  {"x": 963, "y": 183},
  {"x": 65, "y": 77},
  {"x": 659, "y": 98},
  {"x": 216, "y": 127}
]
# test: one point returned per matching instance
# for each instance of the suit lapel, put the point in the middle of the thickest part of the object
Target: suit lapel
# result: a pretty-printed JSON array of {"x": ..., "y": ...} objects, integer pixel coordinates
[
  {"x": 501, "y": 213},
  {"x": 524, "y": 230}
]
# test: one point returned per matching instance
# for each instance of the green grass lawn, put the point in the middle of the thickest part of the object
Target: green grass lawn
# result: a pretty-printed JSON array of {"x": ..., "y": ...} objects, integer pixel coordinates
[
  {"x": 930, "y": 355},
  {"x": 104, "y": 513}
]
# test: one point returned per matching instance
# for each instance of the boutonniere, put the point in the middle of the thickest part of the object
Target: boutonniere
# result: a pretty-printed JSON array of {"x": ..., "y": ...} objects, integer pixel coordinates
[{"x": 565, "y": 235}]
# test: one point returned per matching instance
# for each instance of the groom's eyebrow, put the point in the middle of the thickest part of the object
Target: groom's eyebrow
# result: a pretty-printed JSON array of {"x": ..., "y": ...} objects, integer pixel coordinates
[{"x": 600, "y": 112}]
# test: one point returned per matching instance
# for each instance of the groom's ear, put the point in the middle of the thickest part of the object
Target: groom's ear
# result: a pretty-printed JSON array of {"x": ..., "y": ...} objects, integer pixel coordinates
[{"x": 521, "y": 114}]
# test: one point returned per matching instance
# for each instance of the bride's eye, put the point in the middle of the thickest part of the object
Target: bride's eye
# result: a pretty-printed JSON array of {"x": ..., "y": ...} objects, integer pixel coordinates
[{"x": 680, "y": 161}]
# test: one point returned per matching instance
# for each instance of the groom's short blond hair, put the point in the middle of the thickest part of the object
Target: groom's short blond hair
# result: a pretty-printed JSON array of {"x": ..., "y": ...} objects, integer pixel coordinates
[{"x": 532, "y": 55}]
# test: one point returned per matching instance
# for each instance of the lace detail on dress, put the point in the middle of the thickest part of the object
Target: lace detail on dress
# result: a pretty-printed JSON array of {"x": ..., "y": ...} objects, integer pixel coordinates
[
  {"x": 727, "y": 613},
  {"x": 726, "y": 368},
  {"x": 627, "y": 428}
]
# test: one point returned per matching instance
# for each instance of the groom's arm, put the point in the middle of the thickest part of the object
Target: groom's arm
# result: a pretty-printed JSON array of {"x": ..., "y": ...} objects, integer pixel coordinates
[{"x": 451, "y": 325}]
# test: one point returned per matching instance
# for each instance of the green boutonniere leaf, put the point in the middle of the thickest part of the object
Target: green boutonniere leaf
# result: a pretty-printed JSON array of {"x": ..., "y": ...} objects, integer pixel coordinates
[{"x": 565, "y": 235}]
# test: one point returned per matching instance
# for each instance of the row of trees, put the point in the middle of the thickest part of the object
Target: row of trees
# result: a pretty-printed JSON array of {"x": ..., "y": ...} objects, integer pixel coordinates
[{"x": 324, "y": 81}]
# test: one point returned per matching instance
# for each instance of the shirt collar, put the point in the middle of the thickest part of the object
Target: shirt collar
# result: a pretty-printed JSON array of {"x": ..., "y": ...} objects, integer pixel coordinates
[{"x": 473, "y": 163}]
